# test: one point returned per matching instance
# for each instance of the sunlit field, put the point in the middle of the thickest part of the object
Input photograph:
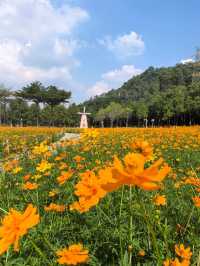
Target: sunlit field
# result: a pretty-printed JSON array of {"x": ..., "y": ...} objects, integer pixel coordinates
[{"x": 122, "y": 196}]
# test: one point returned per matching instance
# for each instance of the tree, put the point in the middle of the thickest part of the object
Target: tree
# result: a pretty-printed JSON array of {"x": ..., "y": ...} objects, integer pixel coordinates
[
  {"x": 53, "y": 96},
  {"x": 101, "y": 116},
  {"x": 141, "y": 110},
  {"x": 72, "y": 117},
  {"x": 33, "y": 114},
  {"x": 126, "y": 113},
  {"x": 17, "y": 112},
  {"x": 55, "y": 117},
  {"x": 113, "y": 112},
  {"x": 4, "y": 95},
  {"x": 33, "y": 92}
]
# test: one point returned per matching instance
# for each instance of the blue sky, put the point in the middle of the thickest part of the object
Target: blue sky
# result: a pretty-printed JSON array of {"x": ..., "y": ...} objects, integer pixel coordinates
[{"x": 91, "y": 46}]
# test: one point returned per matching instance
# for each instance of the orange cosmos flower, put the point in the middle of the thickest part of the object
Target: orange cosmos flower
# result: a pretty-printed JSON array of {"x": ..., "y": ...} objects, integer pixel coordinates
[
  {"x": 160, "y": 200},
  {"x": 184, "y": 253},
  {"x": 170, "y": 262},
  {"x": 16, "y": 224},
  {"x": 143, "y": 147},
  {"x": 89, "y": 191},
  {"x": 151, "y": 178},
  {"x": 176, "y": 262},
  {"x": 134, "y": 173},
  {"x": 72, "y": 255},
  {"x": 29, "y": 186},
  {"x": 196, "y": 201},
  {"x": 26, "y": 177},
  {"x": 193, "y": 181},
  {"x": 55, "y": 207},
  {"x": 64, "y": 177},
  {"x": 78, "y": 158}
]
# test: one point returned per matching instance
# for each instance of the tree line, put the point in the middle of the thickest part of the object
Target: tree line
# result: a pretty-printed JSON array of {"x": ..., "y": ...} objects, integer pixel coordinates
[
  {"x": 157, "y": 97},
  {"x": 34, "y": 104},
  {"x": 179, "y": 105}
]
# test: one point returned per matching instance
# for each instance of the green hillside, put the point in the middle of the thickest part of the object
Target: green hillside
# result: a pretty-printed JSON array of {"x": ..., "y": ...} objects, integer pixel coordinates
[{"x": 167, "y": 94}]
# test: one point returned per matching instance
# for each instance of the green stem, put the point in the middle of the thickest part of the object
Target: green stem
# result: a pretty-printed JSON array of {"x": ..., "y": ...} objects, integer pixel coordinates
[
  {"x": 120, "y": 213},
  {"x": 130, "y": 224},
  {"x": 48, "y": 243},
  {"x": 121, "y": 202},
  {"x": 3, "y": 210},
  {"x": 109, "y": 220},
  {"x": 7, "y": 255},
  {"x": 38, "y": 250},
  {"x": 188, "y": 221},
  {"x": 151, "y": 231}
]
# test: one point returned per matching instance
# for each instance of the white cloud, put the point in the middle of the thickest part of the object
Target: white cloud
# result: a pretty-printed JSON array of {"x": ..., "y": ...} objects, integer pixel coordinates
[
  {"x": 15, "y": 72},
  {"x": 113, "y": 79},
  {"x": 124, "y": 45},
  {"x": 65, "y": 47},
  {"x": 34, "y": 19},
  {"x": 36, "y": 41},
  {"x": 122, "y": 74},
  {"x": 186, "y": 61},
  {"x": 98, "y": 88}
]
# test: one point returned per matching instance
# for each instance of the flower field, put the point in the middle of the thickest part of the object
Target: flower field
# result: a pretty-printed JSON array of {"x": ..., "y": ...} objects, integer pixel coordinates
[{"x": 113, "y": 197}]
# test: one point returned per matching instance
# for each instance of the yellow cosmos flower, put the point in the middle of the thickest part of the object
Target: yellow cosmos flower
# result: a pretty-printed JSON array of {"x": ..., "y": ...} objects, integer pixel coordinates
[{"x": 43, "y": 166}]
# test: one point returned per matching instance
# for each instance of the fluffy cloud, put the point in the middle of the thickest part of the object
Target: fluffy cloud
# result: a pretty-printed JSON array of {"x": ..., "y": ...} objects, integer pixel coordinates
[
  {"x": 124, "y": 45},
  {"x": 113, "y": 79},
  {"x": 98, "y": 88},
  {"x": 186, "y": 61},
  {"x": 122, "y": 74},
  {"x": 36, "y": 41}
]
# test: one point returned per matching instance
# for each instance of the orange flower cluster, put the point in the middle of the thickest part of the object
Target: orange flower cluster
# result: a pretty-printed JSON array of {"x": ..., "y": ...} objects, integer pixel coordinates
[
  {"x": 55, "y": 207},
  {"x": 183, "y": 253},
  {"x": 72, "y": 255},
  {"x": 29, "y": 186},
  {"x": 64, "y": 177},
  {"x": 15, "y": 225},
  {"x": 130, "y": 172}
]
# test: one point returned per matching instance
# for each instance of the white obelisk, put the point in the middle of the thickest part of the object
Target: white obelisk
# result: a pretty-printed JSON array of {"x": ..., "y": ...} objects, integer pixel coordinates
[{"x": 84, "y": 122}]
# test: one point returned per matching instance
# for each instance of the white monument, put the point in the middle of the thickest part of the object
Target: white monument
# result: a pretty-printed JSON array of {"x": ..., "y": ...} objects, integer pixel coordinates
[{"x": 84, "y": 122}]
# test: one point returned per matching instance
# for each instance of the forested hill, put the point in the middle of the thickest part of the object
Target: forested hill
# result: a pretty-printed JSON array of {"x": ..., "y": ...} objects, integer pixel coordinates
[{"x": 162, "y": 93}]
